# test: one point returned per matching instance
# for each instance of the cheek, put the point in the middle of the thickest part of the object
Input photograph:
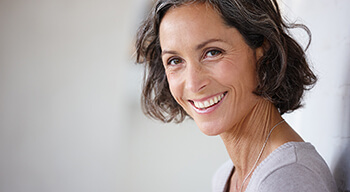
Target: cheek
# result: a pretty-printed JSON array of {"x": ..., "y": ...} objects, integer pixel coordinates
[
  {"x": 240, "y": 75},
  {"x": 175, "y": 87}
]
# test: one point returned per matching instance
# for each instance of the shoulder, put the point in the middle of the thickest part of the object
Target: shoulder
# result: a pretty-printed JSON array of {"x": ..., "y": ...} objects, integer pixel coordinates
[
  {"x": 221, "y": 176},
  {"x": 297, "y": 177},
  {"x": 293, "y": 167}
]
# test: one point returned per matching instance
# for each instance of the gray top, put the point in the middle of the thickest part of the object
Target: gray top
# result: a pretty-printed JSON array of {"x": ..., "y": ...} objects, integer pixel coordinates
[{"x": 294, "y": 166}]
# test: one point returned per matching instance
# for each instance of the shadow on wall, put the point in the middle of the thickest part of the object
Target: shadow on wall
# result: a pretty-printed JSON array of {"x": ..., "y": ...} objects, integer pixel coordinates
[{"x": 342, "y": 169}]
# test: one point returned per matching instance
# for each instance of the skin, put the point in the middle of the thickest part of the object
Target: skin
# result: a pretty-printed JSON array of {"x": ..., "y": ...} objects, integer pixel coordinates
[{"x": 203, "y": 58}]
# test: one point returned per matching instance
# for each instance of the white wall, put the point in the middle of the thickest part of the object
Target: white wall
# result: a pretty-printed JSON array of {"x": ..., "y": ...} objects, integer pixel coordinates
[
  {"x": 63, "y": 66},
  {"x": 70, "y": 117},
  {"x": 325, "y": 120}
]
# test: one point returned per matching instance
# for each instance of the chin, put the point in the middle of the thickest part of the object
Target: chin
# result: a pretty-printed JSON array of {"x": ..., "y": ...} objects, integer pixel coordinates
[{"x": 210, "y": 130}]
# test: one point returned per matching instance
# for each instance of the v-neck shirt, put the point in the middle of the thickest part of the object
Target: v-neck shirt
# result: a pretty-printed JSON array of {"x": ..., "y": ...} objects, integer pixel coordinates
[{"x": 294, "y": 166}]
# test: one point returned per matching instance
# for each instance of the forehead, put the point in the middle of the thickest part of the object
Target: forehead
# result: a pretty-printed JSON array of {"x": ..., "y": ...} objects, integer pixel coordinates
[
  {"x": 191, "y": 22},
  {"x": 192, "y": 9}
]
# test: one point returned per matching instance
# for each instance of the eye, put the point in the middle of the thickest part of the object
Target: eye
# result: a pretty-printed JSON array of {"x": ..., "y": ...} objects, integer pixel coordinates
[
  {"x": 213, "y": 53},
  {"x": 174, "y": 61}
]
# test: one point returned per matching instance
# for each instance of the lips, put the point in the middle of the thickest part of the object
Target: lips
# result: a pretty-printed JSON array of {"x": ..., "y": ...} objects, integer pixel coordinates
[{"x": 208, "y": 103}]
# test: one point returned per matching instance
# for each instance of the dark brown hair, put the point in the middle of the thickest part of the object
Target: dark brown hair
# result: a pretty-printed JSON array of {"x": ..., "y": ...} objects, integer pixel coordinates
[{"x": 282, "y": 72}]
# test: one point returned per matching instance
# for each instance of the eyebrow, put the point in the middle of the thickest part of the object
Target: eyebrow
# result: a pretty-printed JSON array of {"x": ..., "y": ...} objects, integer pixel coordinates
[
  {"x": 169, "y": 52},
  {"x": 200, "y": 46}
]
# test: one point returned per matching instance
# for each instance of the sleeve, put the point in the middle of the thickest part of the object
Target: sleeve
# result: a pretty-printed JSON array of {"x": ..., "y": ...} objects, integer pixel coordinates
[{"x": 292, "y": 178}]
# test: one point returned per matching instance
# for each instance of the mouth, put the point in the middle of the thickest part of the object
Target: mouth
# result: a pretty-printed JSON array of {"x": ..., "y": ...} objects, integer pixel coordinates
[{"x": 208, "y": 103}]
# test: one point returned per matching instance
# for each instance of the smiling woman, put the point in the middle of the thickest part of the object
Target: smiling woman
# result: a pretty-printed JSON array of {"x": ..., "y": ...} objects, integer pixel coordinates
[
  {"x": 215, "y": 64},
  {"x": 231, "y": 66}
]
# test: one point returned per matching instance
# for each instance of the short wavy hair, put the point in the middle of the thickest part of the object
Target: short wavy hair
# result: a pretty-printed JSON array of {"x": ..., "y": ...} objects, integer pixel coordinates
[{"x": 283, "y": 72}]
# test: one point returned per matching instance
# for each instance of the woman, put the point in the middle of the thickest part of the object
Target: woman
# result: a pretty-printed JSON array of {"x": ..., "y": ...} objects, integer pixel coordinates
[{"x": 232, "y": 67}]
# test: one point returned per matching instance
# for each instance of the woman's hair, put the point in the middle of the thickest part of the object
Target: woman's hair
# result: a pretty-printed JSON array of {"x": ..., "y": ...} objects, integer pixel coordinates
[{"x": 282, "y": 72}]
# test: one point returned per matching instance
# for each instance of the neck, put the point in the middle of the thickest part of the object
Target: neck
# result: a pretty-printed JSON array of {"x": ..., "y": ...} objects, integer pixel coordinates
[{"x": 246, "y": 139}]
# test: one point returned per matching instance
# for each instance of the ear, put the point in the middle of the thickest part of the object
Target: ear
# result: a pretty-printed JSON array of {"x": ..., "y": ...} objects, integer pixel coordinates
[{"x": 260, "y": 51}]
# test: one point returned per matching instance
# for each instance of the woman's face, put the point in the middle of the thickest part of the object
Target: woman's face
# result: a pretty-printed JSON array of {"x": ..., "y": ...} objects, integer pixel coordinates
[{"x": 209, "y": 67}]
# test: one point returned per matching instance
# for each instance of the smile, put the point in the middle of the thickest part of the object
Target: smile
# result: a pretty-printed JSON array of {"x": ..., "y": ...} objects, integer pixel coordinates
[{"x": 210, "y": 102}]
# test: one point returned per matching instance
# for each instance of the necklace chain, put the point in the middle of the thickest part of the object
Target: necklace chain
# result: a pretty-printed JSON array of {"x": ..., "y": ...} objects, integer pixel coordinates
[{"x": 261, "y": 151}]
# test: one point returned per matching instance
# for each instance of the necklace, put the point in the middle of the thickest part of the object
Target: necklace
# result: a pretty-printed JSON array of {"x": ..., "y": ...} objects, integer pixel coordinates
[{"x": 261, "y": 151}]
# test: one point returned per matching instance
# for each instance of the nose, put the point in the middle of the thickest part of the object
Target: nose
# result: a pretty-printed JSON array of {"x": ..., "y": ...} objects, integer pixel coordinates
[{"x": 196, "y": 77}]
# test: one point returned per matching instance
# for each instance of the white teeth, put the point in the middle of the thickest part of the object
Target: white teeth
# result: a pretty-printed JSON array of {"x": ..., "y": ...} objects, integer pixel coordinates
[
  {"x": 211, "y": 102},
  {"x": 208, "y": 103},
  {"x": 196, "y": 104},
  {"x": 215, "y": 100}
]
